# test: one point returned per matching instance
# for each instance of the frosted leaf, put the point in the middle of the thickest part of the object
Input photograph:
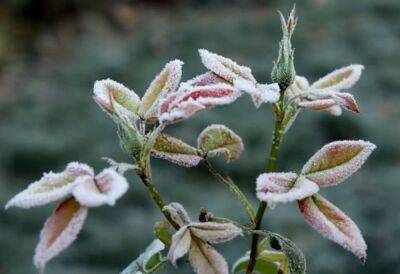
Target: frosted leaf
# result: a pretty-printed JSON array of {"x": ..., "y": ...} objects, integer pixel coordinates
[
  {"x": 337, "y": 161},
  {"x": 346, "y": 100},
  {"x": 343, "y": 78},
  {"x": 280, "y": 188},
  {"x": 175, "y": 151},
  {"x": 260, "y": 93},
  {"x": 224, "y": 67},
  {"x": 333, "y": 224},
  {"x": 51, "y": 187},
  {"x": 107, "y": 187},
  {"x": 121, "y": 168},
  {"x": 205, "y": 79},
  {"x": 318, "y": 104},
  {"x": 206, "y": 260},
  {"x": 335, "y": 110},
  {"x": 218, "y": 139},
  {"x": 59, "y": 231},
  {"x": 215, "y": 232},
  {"x": 113, "y": 97},
  {"x": 178, "y": 213},
  {"x": 166, "y": 82},
  {"x": 299, "y": 85},
  {"x": 187, "y": 102},
  {"x": 180, "y": 244}
]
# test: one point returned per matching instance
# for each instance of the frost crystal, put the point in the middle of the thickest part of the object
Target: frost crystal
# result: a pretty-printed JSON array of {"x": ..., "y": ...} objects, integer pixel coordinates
[
  {"x": 260, "y": 93},
  {"x": 333, "y": 224}
]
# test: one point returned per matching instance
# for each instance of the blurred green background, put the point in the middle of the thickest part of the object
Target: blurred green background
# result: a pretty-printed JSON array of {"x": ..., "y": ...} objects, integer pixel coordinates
[{"x": 51, "y": 52}]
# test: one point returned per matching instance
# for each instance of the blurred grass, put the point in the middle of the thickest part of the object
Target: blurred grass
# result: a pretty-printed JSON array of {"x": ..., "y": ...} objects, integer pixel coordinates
[{"x": 48, "y": 119}]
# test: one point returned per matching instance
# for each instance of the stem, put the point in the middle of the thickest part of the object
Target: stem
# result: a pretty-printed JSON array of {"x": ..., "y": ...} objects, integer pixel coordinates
[
  {"x": 145, "y": 175},
  {"x": 234, "y": 189},
  {"x": 276, "y": 141}
]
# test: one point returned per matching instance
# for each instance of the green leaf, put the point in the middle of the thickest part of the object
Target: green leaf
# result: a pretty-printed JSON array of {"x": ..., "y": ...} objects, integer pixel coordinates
[
  {"x": 164, "y": 232},
  {"x": 149, "y": 261},
  {"x": 263, "y": 266},
  {"x": 176, "y": 151},
  {"x": 218, "y": 139}
]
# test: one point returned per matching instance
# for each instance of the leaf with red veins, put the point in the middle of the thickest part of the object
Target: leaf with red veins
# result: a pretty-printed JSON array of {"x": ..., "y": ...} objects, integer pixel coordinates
[
  {"x": 59, "y": 231},
  {"x": 260, "y": 93},
  {"x": 215, "y": 232},
  {"x": 337, "y": 161},
  {"x": 280, "y": 188},
  {"x": 318, "y": 104},
  {"x": 164, "y": 83},
  {"x": 106, "y": 188},
  {"x": 51, "y": 187},
  {"x": 187, "y": 102},
  {"x": 114, "y": 97},
  {"x": 340, "y": 79},
  {"x": 225, "y": 67},
  {"x": 205, "y": 79},
  {"x": 206, "y": 260},
  {"x": 346, "y": 100},
  {"x": 180, "y": 244},
  {"x": 333, "y": 224}
]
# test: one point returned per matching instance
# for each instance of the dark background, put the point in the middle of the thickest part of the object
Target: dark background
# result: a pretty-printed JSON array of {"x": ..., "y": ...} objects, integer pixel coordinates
[{"x": 51, "y": 52}]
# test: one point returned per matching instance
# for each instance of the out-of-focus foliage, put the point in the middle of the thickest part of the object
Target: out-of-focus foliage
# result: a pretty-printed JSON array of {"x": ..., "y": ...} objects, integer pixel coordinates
[{"x": 51, "y": 52}]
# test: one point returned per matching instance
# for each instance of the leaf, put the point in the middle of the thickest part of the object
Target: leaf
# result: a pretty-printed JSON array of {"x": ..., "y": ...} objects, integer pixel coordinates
[
  {"x": 205, "y": 79},
  {"x": 115, "y": 98},
  {"x": 59, "y": 231},
  {"x": 343, "y": 78},
  {"x": 318, "y": 104},
  {"x": 260, "y": 93},
  {"x": 180, "y": 244},
  {"x": 261, "y": 267},
  {"x": 121, "y": 168},
  {"x": 51, "y": 187},
  {"x": 295, "y": 258},
  {"x": 346, "y": 100},
  {"x": 166, "y": 82},
  {"x": 176, "y": 151},
  {"x": 206, "y": 260},
  {"x": 300, "y": 85},
  {"x": 280, "y": 188},
  {"x": 131, "y": 140},
  {"x": 333, "y": 224},
  {"x": 106, "y": 188},
  {"x": 224, "y": 67},
  {"x": 215, "y": 232},
  {"x": 218, "y": 139},
  {"x": 150, "y": 260},
  {"x": 178, "y": 213},
  {"x": 337, "y": 161},
  {"x": 189, "y": 100},
  {"x": 163, "y": 231}
]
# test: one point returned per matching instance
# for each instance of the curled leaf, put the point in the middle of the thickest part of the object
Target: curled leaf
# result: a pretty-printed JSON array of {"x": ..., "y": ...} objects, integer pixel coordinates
[
  {"x": 225, "y": 67},
  {"x": 343, "y": 78},
  {"x": 215, "y": 232},
  {"x": 218, "y": 139},
  {"x": 51, "y": 187},
  {"x": 114, "y": 97},
  {"x": 318, "y": 104},
  {"x": 346, "y": 100},
  {"x": 59, "y": 231},
  {"x": 180, "y": 244},
  {"x": 175, "y": 151},
  {"x": 178, "y": 213},
  {"x": 190, "y": 100},
  {"x": 206, "y": 260},
  {"x": 166, "y": 82},
  {"x": 337, "y": 161},
  {"x": 279, "y": 188},
  {"x": 260, "y": 93},
  {"x": 333, "y": 224},
  {"x": 163, "y": 231},
  {"x": 107, "y": 187}
]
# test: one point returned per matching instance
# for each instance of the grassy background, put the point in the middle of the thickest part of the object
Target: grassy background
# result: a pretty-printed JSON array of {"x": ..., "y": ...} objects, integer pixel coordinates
[{"x": 51, "y": 52}]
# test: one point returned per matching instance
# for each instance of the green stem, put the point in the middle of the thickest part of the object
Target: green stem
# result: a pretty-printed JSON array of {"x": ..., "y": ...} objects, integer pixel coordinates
[
  {"x": 234, "y": 189},
  {"x": 277, "y": 139},
  {"x": 145, "y": 175}
]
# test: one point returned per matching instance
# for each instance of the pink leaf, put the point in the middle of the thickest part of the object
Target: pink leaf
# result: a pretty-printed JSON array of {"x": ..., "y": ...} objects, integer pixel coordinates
[
  {"x": 205, "y": 79},
  {"x": 107, "y": 187},
  {"x": 318, "y": 104},
  {"x": 346, "y": 100},
  {"x": 280, "y": 188},
  {"x": 224, "y": 67},
  {"x": 333, "y": 224},
  {"x": 187, "y": 102},
  {"x": 59, "y": 231},
  {"x": 51, "y": 187},
  {"x": 215, "y": 232},
  {"x": 337, "y": 161}
]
